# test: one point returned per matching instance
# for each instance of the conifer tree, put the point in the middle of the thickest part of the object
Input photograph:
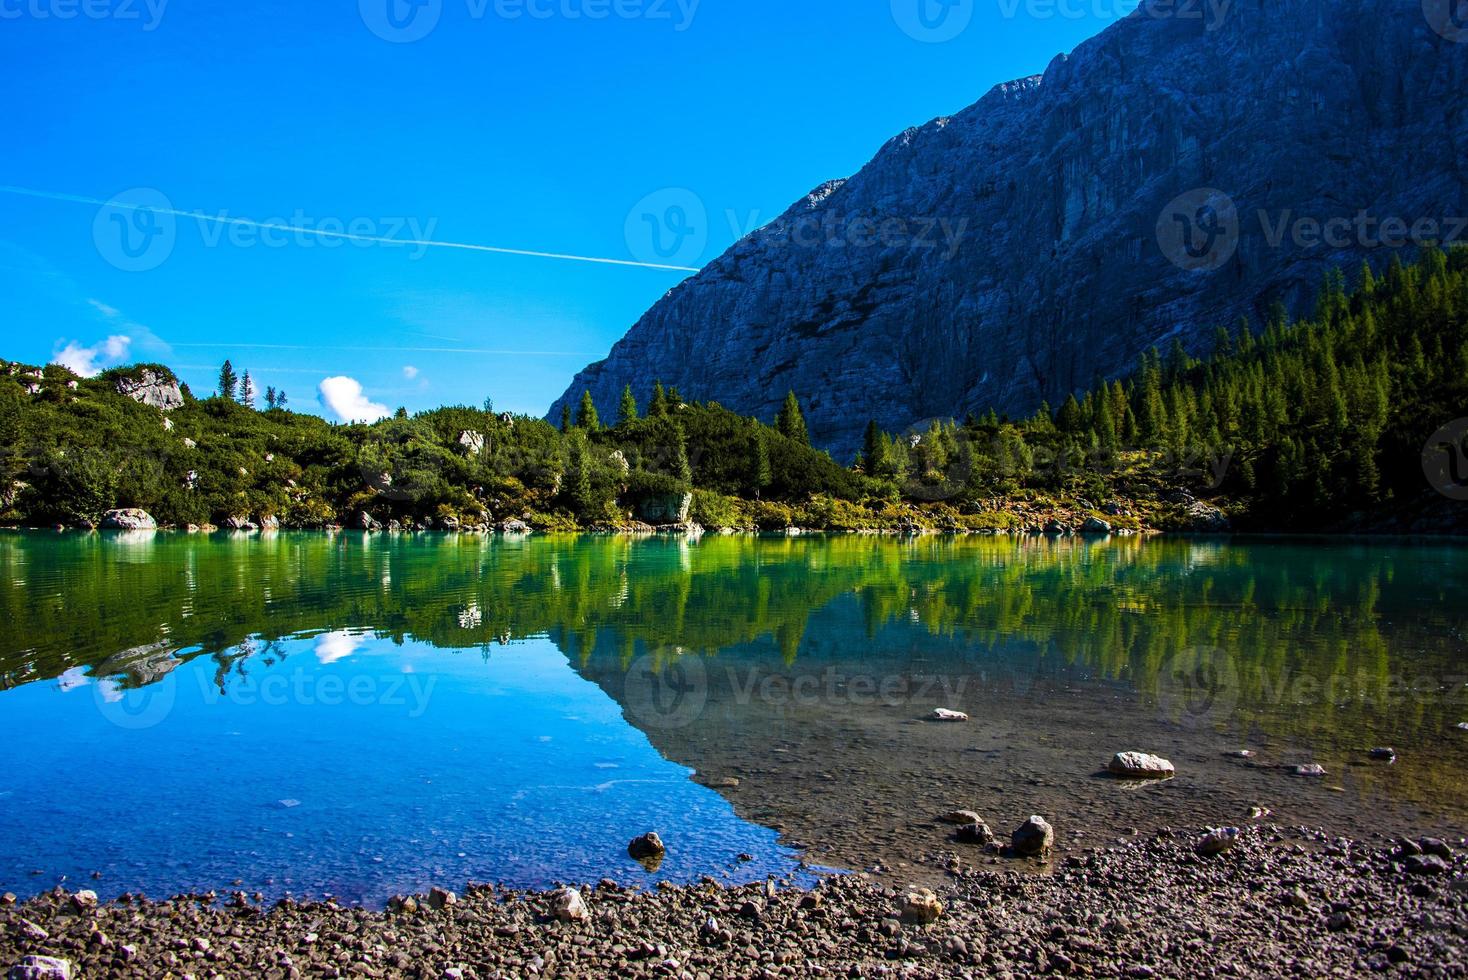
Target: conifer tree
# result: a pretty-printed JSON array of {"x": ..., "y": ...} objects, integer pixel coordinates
[
  {"x": 586, "y": 417},
  {"x": 658, "y": 406},
  {"x": 627, "y": 411},
  {"x": 761, "y": 475},
  {"x": 228, "y": 381},
  {"x": 790, "y": 423},
  {"x": 247, "y": 391}
]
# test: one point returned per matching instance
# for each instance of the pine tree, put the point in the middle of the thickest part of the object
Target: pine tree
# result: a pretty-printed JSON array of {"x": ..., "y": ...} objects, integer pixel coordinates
[
  {"x": 790, "y": 423},
  {"x": 1069, "y": 418},
  {"x": 627, "y": 411},
  {"x": 247, "y": 391},
  {"x": 228, "y": 381},
  {"x": 681, "y": 468},
  {"x": 280, "y": 398},
  {"x": 874, "y": 450},
  {"x": 566, "y": 417},
  {"x": 586, "y": 414},
  {"x": 658, "y": 406},
  {"x": 270, "y": 403},
  {"x": 761, "y": 476}
]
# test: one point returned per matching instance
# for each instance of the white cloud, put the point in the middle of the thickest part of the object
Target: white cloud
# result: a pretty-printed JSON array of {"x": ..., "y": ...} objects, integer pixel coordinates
[
  {"x": 90, "y": 361},
  {"x": 410, "y": 372},
  {"x": 344, "y": 396},
  {"x": 331, "y": 647}
]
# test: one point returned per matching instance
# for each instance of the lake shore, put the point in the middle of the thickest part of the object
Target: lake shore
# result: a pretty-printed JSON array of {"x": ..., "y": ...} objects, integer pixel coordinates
[{"x": 1282, "y": 900}]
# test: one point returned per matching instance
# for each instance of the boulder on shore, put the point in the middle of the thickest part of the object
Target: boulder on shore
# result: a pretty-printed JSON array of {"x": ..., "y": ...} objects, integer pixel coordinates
[
  {"x": 921, "y": 907},
  {"x": 129, "y": 519},
  {"x": 41, "y": 968},
  {"x": 569, "y": 906},
  {"x": 1140, "y": 765},
  {"x": 977, "y": 832},
  {"x": 1215, "y": 842},
  {"x": 1033, "y": 837},
  {"x": 961, "y": 817}
]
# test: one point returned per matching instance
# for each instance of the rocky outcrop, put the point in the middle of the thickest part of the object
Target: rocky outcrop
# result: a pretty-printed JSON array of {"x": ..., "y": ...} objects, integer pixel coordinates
[
  {"x": 151, "y": 388},
  {"x": 1012, "y": 252},
  {"x": 471, "y": 442},
  {"x": 663, "y": 508},
  {"x": 129, "y": 519}
]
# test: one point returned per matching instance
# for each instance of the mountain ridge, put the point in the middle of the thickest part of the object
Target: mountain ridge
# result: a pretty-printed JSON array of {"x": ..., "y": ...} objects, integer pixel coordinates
[{"x": 1278, "y": 116}]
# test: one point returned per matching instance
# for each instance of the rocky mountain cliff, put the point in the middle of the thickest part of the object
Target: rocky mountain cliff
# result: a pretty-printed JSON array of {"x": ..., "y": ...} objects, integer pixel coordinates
[{"x": 1189, "y": 166}]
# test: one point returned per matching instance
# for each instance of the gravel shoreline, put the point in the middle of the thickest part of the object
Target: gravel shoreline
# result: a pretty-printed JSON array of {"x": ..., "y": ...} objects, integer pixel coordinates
[{"x": 1281, "y": 901}]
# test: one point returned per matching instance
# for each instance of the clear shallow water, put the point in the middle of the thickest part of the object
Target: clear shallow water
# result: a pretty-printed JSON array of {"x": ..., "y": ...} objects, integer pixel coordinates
[{"x": 362, "y": 716}]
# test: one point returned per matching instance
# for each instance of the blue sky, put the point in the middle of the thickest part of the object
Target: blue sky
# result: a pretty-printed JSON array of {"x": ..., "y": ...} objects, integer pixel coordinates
[{"x": 540, "y": 125}]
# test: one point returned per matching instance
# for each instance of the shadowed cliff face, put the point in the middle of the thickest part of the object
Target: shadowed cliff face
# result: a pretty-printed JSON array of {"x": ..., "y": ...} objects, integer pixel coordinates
[{"x": 1170, "y": 176}]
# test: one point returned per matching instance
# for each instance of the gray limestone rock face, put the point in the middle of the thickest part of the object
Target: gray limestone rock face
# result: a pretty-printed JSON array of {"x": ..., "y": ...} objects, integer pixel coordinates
[
  {"x": 1172, "y": 175},
  {"x": 151, "y": 388}
]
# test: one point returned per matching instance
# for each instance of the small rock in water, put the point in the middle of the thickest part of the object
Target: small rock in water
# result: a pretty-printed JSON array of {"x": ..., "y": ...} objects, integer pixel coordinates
[
  {"x": 1384, "y": 754},
  {"x": 84, "y": 900},
  {"x": 1033, "y": 837},
  {"x": 7, "y": 899},
  {"x": 1311, "y": 769},
  {"x": 946, "y": 714},
  {"x": 961, "y": 817},
  {"x": 1215, "y": 842},
  {"x": 977, "y": 832},
  {"x": 569, "y": 906},
  {"x": 921, "y": 906},
  {"x": 649, "y": 845},
  {"x": 1240, "y": 754},
  {"x": 41, "y": 968},
  {"x": 1140, "y": 765},
  {"x": 1259, "y": 812},
  {"x": 1463, "y": 725},
  {"x": 288, "y": 804}
]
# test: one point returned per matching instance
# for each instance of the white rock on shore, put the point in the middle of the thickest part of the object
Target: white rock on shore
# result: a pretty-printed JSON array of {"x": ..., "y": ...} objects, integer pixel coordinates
[
  {"x": 1140, "y": 765},
  {"x": 569, "y": 906}
]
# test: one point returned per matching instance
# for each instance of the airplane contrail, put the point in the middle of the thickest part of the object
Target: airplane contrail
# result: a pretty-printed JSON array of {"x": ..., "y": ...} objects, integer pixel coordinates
[
  {"x": 400, "y": 350},
  {"x": 343, "y": 235}
]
